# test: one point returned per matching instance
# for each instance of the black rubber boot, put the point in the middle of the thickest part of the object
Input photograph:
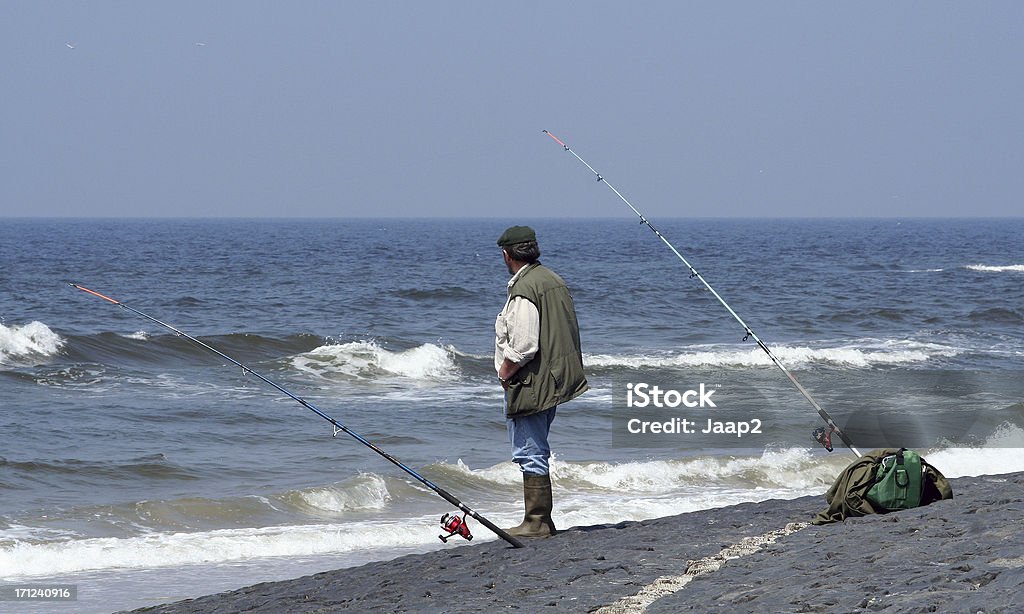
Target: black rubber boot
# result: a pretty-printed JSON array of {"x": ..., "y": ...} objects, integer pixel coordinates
[{"x": 537, "y": 498}]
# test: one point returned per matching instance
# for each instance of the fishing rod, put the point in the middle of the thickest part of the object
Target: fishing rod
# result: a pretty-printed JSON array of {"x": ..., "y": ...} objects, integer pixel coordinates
[
  {"x": 453, "y": 525},
  {"x": 820, "y": 434}
]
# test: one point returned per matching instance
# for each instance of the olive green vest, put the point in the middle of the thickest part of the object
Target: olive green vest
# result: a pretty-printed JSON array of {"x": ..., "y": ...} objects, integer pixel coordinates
[{"x": 555, "y": 374}]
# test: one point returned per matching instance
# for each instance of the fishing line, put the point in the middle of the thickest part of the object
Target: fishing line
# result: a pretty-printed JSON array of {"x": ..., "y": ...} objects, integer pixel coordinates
[
  {"x": 338, "y": 426},
  {"x": 821, "y": 435}
]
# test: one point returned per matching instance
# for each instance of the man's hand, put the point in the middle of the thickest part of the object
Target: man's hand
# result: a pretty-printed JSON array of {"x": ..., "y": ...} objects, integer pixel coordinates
[{"x": 505, "y": 373}]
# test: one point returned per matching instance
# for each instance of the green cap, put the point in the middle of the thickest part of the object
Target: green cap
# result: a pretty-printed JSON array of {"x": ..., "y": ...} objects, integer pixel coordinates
[{"x": 517, "y": 234}]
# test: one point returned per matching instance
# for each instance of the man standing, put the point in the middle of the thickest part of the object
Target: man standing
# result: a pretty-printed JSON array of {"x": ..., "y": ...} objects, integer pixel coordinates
[{"x": 539, "y": 363}]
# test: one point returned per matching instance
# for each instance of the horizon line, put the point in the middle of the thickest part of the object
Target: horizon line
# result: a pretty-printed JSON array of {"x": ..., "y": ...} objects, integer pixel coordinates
[{"x": 508, "y": 217}]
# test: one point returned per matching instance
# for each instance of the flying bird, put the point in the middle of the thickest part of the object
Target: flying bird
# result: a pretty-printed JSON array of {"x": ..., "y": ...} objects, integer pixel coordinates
[{"x": 70, "y": 45}]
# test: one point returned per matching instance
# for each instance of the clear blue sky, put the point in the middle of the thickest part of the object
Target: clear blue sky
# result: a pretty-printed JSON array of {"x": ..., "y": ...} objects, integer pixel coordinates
[{"x": 351, "y": 108}]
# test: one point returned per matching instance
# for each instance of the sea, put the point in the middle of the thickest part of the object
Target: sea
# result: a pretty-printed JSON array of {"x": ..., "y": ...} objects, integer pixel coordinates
[{"x": 138, "y": 468}]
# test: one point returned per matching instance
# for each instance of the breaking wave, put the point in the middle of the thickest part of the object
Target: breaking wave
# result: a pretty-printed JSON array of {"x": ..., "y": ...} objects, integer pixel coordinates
[
  {"x": 365, "y": 492},
  {"x": 1010, "y": 268},
  {"x": 368, "y": 360},
  {"x": 869, "y": 353},
  {"x": 28, "y": 344}
]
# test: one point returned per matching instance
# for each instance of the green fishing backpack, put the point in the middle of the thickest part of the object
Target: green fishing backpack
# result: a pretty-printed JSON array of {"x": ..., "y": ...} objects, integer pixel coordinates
[{"x": 898, "y": 481}]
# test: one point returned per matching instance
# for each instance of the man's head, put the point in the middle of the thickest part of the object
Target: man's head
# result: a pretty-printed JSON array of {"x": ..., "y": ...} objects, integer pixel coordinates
[{"x": 519, "y": 245}]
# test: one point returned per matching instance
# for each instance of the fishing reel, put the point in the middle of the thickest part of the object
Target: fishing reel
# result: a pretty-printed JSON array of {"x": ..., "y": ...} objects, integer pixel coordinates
[
  {"x": 455, "y": 526},
  {"x": 824, "y": 437}
]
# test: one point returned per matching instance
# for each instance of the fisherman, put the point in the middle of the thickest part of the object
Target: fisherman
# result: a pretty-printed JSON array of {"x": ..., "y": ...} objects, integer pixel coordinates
[{"x": 540, "y": 366}]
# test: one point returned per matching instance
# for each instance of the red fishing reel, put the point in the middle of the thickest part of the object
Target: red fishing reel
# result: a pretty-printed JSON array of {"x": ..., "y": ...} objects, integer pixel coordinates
[
  {"x": 824, "y": 437},
  {"x": 455, "y": 526}
]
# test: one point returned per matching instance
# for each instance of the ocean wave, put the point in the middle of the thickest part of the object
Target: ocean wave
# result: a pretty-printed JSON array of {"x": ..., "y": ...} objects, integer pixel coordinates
[
  {"x": 1000, "y": 315},
  {"x": 860, "y": 314},
  {"x": 790, "y": 468},
  {"x": 368, "y": 360},
  {"x": 354, "y": 498},
  {"x": 801, "y": 470},
  {"x": 367, "y": 491},
  {"x": 452, "y": 293},
  {"x": 866, "y": 353},
  {"x": 147, "y": 348},
  {"x": 28, "y": 344},
  {"x": 185, "y": 514},
  {"x": 1010, "y": 268},
  {"x": 590, "y": 493},
  {"x": 654, "y": 488},
  {"x": 152, "y": 467},
  {"x": 23, "y": 559}
]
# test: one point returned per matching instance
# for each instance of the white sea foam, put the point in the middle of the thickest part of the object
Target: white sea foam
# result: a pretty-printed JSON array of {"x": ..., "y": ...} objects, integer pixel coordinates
[
  {"x": 864, "y": 353},
  {"x": 651, "y": 489},
  {"x": 222, "y": 545},
  {"x": 502, "y": 473},
  {"x": 16, "y": 532},
  {"x": 584, "y": 511},
  {"x": 1014, "y": 268},
  {"x": 28, "y": 343},
  {"x": 791, "y": 468},
  {"x": 367, "y": 360},
  {"x": 591, "y": 493},
  {"x": 1003, "y": 452},
  {"x": 783, "y": 468}
]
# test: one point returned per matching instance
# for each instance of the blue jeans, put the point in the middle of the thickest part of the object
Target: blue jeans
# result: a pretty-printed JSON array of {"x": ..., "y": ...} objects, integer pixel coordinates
[{"x": 529, "y": 438}]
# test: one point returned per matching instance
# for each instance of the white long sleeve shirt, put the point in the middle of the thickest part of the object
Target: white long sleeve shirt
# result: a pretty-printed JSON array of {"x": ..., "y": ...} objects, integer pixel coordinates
[{"x": 516, "y": 329}]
